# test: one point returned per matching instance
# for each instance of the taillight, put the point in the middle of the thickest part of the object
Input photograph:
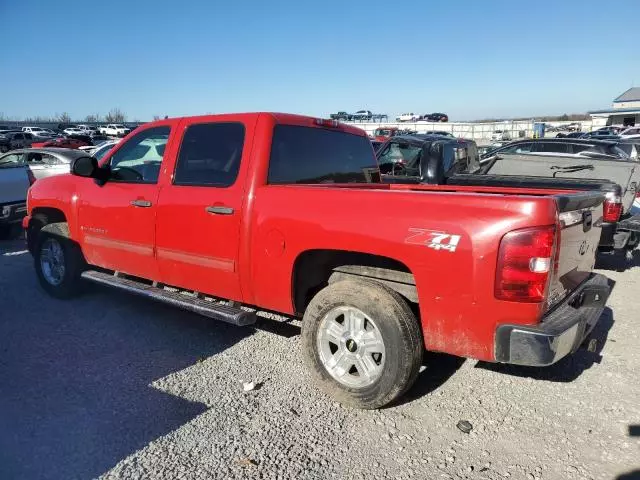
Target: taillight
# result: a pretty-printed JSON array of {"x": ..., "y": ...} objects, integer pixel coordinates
[
  {"x": 32, "y": 178},
  {"x": 525, "y": 262},
  {"x": 612, "y": 207}
]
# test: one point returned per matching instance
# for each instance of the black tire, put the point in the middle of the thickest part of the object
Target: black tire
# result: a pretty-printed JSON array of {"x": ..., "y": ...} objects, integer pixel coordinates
[
  {"x": 70, "y": 283},
  {"x": 400, "y": 332}
]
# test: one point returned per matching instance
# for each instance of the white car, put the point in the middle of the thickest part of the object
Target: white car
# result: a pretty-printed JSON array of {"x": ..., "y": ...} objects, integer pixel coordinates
[
  {"x": 87, "y": 129},
  {"x": 632, "y": 132},
  {"x": 74, "y": 131},
  {"x": 115, "y": 130},
  {"x": 500, "y": 135},
  {"x": 407, "y": 117},
  {"x": 37, "y": 131}
]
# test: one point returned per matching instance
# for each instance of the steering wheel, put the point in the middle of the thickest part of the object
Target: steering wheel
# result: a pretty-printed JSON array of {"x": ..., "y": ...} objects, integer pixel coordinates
[{"x": 136, "y": 174}]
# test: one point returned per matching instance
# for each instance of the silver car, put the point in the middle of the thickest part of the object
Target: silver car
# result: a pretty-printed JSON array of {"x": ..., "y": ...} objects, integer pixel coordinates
[{"x": 46, "y": 162}]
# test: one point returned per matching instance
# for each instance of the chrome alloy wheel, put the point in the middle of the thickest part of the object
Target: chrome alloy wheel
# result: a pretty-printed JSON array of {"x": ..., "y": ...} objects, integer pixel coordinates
[
  {"x": 351, "y": 347},
  {"x": 52, "y": 261}
]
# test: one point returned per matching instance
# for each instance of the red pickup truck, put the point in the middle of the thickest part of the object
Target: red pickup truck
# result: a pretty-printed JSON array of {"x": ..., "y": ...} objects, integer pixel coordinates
[{"x": 226, "y": 214}]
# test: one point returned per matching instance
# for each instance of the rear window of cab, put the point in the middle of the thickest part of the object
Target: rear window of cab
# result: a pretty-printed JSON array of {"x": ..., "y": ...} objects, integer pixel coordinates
[{"x": 308, "y": 155}]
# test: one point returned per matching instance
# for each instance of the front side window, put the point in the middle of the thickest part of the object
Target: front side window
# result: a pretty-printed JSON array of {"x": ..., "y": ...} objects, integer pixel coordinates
[
  {"x": 11, "y": 160},
  {"x": 308, "y": 155},
  {"x": 140, "y": 158},
  {"x": 210, "y": 155},
  {"x": 517, "y": 148}
]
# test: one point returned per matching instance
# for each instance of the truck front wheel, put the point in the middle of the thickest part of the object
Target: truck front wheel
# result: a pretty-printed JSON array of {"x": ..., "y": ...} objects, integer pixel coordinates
[
  {"x": 362, "y": 342},
  {"x": 59, "y": 263}
]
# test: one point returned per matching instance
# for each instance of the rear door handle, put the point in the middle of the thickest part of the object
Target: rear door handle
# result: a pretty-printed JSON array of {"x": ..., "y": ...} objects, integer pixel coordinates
[
  {"x": 140, "y": 203},
  {"x": 218, "y": 210}
]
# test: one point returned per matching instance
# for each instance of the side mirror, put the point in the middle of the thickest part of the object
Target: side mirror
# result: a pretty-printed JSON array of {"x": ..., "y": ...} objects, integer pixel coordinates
[{"x": 85, "y": 167}]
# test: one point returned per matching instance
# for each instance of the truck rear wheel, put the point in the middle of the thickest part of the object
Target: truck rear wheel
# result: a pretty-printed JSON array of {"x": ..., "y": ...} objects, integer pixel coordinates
[
  {"x": 59, "y": 263},
  {"x": 362, "y": 342}
]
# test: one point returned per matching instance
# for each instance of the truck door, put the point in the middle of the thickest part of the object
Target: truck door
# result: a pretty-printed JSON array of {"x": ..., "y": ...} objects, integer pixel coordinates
[
  {"x": 200, "y": 210},
  {"x": 117, "y": 219}
]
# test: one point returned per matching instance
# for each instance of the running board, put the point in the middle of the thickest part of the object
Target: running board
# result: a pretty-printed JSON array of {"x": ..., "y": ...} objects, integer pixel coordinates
[{"x": 208, "y": 308}]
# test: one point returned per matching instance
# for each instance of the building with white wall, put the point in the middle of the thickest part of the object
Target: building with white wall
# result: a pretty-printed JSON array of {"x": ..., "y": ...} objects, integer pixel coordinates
[{"x": 625, "y": 110}]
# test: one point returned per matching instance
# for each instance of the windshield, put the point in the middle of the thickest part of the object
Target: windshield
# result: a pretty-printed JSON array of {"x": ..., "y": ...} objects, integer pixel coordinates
[{"x": 397, "y": 152}]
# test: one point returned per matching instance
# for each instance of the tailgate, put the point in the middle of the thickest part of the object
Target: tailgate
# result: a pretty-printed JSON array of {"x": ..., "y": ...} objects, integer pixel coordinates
[
  {"x": 580, "y": 219},
  {"x": 14, "y": 183}
]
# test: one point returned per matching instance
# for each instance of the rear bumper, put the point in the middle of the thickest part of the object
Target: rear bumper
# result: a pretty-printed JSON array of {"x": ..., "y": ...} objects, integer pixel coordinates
[
  {"x": 12, "y": 213},
  {"x": 561, "y": 331}
]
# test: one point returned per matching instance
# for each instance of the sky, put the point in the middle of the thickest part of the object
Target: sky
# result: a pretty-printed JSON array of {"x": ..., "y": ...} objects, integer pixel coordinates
[{"x": 470, "y": 59}]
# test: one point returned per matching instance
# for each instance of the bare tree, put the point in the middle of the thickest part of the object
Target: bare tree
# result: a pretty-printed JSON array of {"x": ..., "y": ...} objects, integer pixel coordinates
[
  {"x": 92, "y": 118},
  {"x": 156, "y": 117},
  {"x": 63, "y": 117},
  {"x": 115, "y": 115}
]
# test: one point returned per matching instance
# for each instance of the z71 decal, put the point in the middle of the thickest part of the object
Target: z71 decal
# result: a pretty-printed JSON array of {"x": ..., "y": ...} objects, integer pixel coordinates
[{"x": 433, "y": 239}]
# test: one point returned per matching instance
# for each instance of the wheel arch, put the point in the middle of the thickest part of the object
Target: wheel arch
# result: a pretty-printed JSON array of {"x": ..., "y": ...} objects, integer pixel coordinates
[
  {"x": 46, "y": 219},
  {"x": 315, "y": 269}
]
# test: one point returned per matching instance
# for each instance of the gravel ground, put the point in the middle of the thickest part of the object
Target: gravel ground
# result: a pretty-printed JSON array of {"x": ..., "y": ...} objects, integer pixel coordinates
[{"x": 113, "y": 386}]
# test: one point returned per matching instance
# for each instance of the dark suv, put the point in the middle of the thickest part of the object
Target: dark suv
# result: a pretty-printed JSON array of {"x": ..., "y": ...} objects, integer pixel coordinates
[
  {"x": 14, "y": 139},
  {"x": 576, "y": 147}
]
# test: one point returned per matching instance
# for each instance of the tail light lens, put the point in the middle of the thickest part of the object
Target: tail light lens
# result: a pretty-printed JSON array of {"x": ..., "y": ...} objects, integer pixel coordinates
[
  {"x": 526, "y": 260},
  {"x": 32, "y": 178},
  {"x": 612, "y": 208}
]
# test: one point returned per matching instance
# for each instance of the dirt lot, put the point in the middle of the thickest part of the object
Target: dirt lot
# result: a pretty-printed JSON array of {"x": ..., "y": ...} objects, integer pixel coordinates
[{"x": 115, "y": 386}]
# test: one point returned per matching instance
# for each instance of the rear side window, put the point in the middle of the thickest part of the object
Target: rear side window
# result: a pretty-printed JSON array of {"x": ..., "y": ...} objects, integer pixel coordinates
[
  {"x": 552, "y": 147},
  {"x": 210, "y": 155},
  {"x": 316, "y": 155},
  {"x": 517, "y": 148}
]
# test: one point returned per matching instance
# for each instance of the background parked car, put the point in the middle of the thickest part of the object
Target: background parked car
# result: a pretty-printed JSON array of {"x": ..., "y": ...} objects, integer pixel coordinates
[
  {"x": 570, "y": 135},
  {"x": 115, "y": 130},
  {"x": 73, "y": 131},
  {"x": 15, "y": 180},
  {"x": 62, "y": 143},
  {"x": 341, "y": 116},
  {"x": 500, "y": 135},
  {"x": 561, "y": 146},
  {"x": 633, "y": 132},
  {"x": 407, "y": 117},
  {"x": 362, "y": 115},
  {"x": 87, "y": 130},
  {"x": 14, "y": 139},
  {"x": 47, "y": 162},
  {"x": 437, "y": 117},
  {"x": 37, "y": 132}
]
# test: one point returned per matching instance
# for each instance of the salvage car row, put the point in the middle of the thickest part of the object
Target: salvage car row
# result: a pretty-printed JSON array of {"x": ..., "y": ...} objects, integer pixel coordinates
[{"x": 506, "y": 276}]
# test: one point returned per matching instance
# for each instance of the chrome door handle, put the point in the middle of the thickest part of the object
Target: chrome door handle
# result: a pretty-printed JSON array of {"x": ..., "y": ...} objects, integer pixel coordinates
[
  {"x": 140, "y": 203},
  {"x": 220, "y": 210}
]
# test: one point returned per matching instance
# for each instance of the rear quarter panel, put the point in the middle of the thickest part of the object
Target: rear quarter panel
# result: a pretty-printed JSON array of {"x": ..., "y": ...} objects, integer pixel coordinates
[{"x": 455, "y": 287}]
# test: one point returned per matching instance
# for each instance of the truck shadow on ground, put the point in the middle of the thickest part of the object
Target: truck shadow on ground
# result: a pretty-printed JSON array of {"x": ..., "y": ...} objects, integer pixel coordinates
[
  {"x": 75, "y": 376},
  {"x": 618, "y": 262},
  {"x": 438, "y": 368},
  {"x": 570, "y": 367}
]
